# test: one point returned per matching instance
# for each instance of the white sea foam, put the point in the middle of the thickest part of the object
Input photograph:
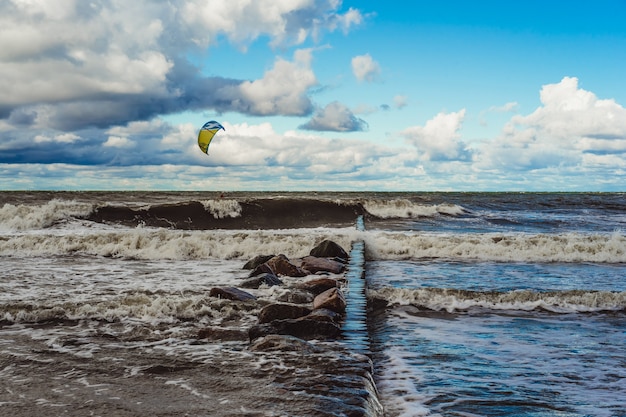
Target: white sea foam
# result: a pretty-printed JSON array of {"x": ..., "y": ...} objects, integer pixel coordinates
[
  {"x": 402, "y": 208},
  {"x": 145, "y": 243},
  {"x": 570, "y": 247},
  {"x": 451, "y": 300},
  {"x": 27, "y": 217},
  {"x": 148, "y": 243},
  {"x": 223, "y": 208}
]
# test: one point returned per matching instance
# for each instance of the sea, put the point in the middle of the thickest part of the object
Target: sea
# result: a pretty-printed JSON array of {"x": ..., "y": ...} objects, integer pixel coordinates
[{"x": 478, "y": 304}]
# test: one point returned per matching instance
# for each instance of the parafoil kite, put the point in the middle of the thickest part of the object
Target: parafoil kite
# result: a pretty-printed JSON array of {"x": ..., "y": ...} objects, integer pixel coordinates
[{"x": 206, "y": 134}]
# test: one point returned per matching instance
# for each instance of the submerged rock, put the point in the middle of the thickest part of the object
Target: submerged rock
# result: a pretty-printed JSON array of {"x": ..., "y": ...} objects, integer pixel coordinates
[
  {"x": 283, "y": 343},
  {"x": 303, "y": 327},
  {"x": 231, "y": 293},
  {"x": 218, "y": 333},
  {"x": 263, "y": 279},
  {"x": 296, "y": 297}
]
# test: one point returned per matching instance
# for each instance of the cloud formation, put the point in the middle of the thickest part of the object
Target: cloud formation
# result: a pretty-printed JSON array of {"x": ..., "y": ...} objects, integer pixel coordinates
[
  {"x": 439, "y": 139},
  {"x": 70, "y": 65},
  {"x": 365, "y": 68},
  {"x": 335, "y": 117},
  {"x": 572, "y": 127}
]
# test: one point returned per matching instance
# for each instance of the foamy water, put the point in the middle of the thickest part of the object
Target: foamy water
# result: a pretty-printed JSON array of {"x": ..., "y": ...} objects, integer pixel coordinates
[{"x": 498, "y": 304}]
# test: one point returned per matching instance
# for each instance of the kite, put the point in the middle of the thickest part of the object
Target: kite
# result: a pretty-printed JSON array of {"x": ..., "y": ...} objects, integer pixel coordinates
[{"x": 206, "y": 134}]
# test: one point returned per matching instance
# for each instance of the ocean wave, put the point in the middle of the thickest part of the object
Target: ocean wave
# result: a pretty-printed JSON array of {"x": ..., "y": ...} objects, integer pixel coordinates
[
  {"x": 223, "y": 208},
  {"x": 147, "y": 307},
  {"x": 27, "y": 217},
  {"x": 161, "y": 243},
  {"x": 154, "y": 244},
  {"x": 222, "y": 213},
  {"x": 514, "y": 247},
  {"x": 451, "y": 300},
  {"x": 406, "y": 209}
]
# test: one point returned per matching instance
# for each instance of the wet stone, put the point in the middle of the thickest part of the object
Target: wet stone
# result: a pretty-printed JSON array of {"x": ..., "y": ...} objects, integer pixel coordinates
[
  {"x": 273, "y": 312},
  {"x": 263, "y": 279},
  {"x": 231, "y": 293},
  {"x": 315, "y": 265},
  {"x": 318, "y": 285},
  {"x": 329, "y": 249},
  {"x": 332, "y": 299}
]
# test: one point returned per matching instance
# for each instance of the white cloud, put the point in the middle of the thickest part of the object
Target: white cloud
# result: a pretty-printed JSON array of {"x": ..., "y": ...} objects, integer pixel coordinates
[
  {"x": 365, "y": 68},
  {"x": 335, "y": 117},
  {"x": 439, "y": 138},
  {"x": 75, "y": 64},
  {"x": 282, "y": 90},
  {"x": 400, "y": 101},
  {"x": 60, "y": 138},
  {"x": 570, "y": 124},
  {"x": 118, "y": 142},
  {"x": 285, "y": 21}
]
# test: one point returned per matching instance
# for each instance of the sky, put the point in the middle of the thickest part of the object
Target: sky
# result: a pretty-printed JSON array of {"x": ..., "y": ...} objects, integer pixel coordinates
[{"x": 314, "y": 95}]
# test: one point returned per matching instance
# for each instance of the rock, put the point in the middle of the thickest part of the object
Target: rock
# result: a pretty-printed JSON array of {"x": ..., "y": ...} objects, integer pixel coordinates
[
  {"x": 256, "y": 261},
  {"x": 318, "y": 285},
  {"x": 264, "y": 279},
  {"x": 329, "y": 249},
  {"x": 313, "y": 264},
  {"x": 273, "y": 312},
  {"x": 280, "y": 265},
  {"x": 218, "y": 333},
  {"x": 283, "y": 343},
  {"x": 261, "y": 269},
  {"x": 302, "y": 327},
  {"x": 323, "y": 314},
  {"x": 296, "y": 297},
  {"x": 332, "y": 299},
  {"x": 231, "y": 293}
]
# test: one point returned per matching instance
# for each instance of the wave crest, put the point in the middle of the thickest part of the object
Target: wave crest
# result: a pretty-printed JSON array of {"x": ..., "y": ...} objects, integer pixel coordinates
[
  {"x": 406, "y": 209},
  {"x": 26, "y": 217},
  {"x": 451, "y": 300}
]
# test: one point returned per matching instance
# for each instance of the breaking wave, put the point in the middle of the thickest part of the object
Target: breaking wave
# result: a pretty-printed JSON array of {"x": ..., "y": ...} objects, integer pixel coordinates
[{"x": 451, "y": 300}]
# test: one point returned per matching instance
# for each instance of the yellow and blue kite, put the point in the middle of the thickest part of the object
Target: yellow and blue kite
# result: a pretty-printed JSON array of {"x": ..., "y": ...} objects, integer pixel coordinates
[{"x": 206, "y": 134}]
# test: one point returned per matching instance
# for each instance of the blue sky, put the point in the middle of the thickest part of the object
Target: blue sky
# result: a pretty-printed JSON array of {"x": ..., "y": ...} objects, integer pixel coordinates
[{"x": 314, "y": 95}]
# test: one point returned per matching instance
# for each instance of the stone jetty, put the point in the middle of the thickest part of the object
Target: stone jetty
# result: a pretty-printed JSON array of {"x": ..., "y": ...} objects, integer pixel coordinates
[{"x": 309, "y": 327}]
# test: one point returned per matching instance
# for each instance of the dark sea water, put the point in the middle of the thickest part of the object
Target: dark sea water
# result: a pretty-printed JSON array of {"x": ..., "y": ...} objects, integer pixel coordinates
[{"x": 481, "y": 304}]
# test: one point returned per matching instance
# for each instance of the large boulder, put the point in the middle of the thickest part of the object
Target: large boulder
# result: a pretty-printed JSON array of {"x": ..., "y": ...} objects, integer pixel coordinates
[
  {"x": 282, "y": 311},
  {"x": 332, "y": 299},
  {"x": 317, "y": 285},
  {"x": 296, "y": 297},
  {"x": 231, "y": 293},
  {"x": 302, "y": 327},
  {"x": 281, "y": 265},
  {"x": 329, "y": 249},
  {"x": 257, "y": 260},
  {"x": 313, "y": 264}
]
